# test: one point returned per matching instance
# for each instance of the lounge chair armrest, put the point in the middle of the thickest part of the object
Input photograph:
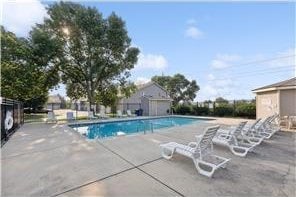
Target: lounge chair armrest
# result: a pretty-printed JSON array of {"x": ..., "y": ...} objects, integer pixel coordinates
[
  {"x": 232, "y": 127},
  {"x": 223, "y": 160},
  {"x": 198, "y": 138},
  {"x": 224, "y": 136},
  {"x": 192, "y": 144},
  {"x": 224, "y": 131}
]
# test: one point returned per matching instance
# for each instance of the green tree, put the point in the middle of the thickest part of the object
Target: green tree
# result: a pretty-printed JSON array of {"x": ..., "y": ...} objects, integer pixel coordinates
[
  {"x": 25, "y": 76},
  {"x": 179, "y": 88},
  {"x": 221, "y": 100},
  {"x": 96, "y": 55}
]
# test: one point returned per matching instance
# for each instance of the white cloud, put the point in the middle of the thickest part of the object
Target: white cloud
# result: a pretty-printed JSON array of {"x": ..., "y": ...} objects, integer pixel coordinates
[
  {"x": 227, "y": 83},
  {"x": 151, "y": 61},
  {"x": 228, "y": 57},
  {"x": 20, "y": 16},
  {"x": 211, "y": 77},
  {"x": 224, "y": 61},
  {"x": 222, "y": 83},
  {"x": 211, "y": 91},
  {"x": 141, "y": 80},
  {"x": 218, "y": 88},
  {"x": 287, "y": 60},
  {"x": 193, "y": 32},
  {"x": 191, "y": 21},
  {"x": 218, "y": 64}
]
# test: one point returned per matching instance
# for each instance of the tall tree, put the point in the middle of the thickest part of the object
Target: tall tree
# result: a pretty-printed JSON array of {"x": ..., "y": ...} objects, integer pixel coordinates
[
  {"x": 180, "y": 88},
  {"x": 25, "y": 76},
  {"x": 96, "y": 53}
]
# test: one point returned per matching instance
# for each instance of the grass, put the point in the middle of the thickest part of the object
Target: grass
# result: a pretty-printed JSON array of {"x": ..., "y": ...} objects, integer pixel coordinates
[
  {"x": 34, "y": 117},
  {"x": 41, "y": 117}
]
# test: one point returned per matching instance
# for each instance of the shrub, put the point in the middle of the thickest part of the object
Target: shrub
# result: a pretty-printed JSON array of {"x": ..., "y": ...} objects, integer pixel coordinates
[
  {"x": 201, "y": 111},
  {"x": 246, "y": 110},
  {"x": 223, "y": 110},
  {"x": 183, "y": 109}
]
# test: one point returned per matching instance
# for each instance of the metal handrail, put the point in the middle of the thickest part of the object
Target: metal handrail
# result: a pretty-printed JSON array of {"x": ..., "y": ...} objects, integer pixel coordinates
[
  {"x": 152, "y": 127},
  {"x": 144, "y": 127}
]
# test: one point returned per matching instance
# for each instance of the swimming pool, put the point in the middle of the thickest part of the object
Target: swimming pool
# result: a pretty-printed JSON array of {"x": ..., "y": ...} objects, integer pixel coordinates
[{"x": 126, "y": 127}]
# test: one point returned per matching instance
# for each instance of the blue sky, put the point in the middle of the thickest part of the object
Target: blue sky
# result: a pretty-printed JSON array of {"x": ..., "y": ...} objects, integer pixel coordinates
[{"x": 207, "y": 42}]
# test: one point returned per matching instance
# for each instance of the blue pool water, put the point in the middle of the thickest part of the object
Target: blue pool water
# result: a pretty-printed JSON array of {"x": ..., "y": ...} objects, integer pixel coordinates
[{"x": 125, "y": 127}]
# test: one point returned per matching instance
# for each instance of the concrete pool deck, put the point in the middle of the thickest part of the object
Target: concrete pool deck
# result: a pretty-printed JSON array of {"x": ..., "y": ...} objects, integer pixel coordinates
[{"x": 52, "y": 160}]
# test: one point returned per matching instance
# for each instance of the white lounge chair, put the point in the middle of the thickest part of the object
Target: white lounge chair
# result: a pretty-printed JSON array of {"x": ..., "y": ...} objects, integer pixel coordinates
[
  {"x": 119, "y": 114},
  {"x": 200, "y": 152},
  {"x": 51, "y": 117},
  {"x": 268, "y": 127},
  {"x": 103, "y": 114},
  {"x": 70, "y": 116},
  {"x": 284, "y": 121},
  {"x": 273, "y": 125},
  {"x": 234, "y": 140},
  {"x": 91, "y": 115},
  {"x": 292, "y": 122},
  {"x": 251, "y": 126},
  {"x": 129, "y": 113},
  {"x": 246, "y": 134},
  {"x": 249, "y": 134}
]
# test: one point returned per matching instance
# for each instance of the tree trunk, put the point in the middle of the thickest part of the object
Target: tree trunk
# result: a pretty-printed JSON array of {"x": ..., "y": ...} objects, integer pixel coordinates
[{"x": 90, "y": 109}]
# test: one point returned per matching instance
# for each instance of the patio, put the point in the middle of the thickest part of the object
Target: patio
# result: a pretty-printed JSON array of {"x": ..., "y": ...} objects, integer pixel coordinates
[{"x": 52, "y": 160}]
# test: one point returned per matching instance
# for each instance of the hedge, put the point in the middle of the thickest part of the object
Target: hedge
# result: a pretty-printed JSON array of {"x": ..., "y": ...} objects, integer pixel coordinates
[
  {"x": 247, "y": 110},
  {"x": 224, "y": 110},
  {"x": 201, "y": 111},
  {"x": 183, "y": 109}
]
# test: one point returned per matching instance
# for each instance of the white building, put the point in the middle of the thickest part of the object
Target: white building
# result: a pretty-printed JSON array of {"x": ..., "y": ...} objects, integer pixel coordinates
[
  {"x": 153, "y": 99},
  {"x": 277, "y": 98},
  {"x": 54, "y": 102}
]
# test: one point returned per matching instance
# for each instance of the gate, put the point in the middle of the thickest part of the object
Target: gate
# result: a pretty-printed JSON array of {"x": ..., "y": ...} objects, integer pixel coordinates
[{"x": 12, "y": 117}]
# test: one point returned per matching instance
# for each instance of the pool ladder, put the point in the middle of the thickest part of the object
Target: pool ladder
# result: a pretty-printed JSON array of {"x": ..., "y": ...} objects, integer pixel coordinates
[{"x": 145, "y": 128}]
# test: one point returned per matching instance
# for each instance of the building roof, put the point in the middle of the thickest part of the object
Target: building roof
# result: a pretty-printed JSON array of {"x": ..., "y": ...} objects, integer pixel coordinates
[
  {"x": 145, "y": 85},
  {"x": 54, "y": 99},
  {"x": 287, "y": 84},
  {"x": 157, "y": 99}
]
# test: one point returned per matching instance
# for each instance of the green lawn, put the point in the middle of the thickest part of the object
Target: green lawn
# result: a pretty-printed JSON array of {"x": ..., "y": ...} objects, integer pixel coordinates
[
  {"x": 42, "y": 117},
  {"x": 34, "y": 117}
]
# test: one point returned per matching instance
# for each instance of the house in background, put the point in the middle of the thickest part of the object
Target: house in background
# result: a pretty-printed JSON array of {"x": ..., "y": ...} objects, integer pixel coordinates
[
  {"x": 276, "y": 98},
  {"x": 80, "y": 105},
  {"x": 153, "y": 99},
  {"x": 54, "y": 102}
]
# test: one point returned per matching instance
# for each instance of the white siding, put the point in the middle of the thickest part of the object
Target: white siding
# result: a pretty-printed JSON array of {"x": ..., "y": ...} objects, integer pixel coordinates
[
  {"x": 53, "y": 106},
  {"x": 267, "y": 104},
  {"x": 153, "y": 91},
  {"x": 145, "y": 106},
  {"x": 288, "y": 102},
  {"x": 134, "y": 101}
]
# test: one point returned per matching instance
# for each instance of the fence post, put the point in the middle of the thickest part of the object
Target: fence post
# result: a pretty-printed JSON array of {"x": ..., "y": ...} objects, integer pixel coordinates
[
  {"x": 233, "y": 113},
  {"x": 13, "y": 114}
]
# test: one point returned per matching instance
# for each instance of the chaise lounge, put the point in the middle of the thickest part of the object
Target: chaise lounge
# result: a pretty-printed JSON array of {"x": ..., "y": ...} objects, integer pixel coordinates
[
  {"x": 51, "y": 117},
  {"x": 200, "y": 152},
  {"x": 234, "y": 140}
]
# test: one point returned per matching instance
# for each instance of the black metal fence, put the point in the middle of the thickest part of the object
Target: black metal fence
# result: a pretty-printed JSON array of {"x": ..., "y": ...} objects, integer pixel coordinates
[{"x": 12, "y": 117}]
